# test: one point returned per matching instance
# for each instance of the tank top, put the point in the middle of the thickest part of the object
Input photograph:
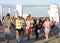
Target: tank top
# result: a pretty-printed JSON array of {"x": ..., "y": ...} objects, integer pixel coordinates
[
  {"x": 47, "y": 24},
  {"x": 28, "y": 23},
  {"x": 18, "y": 24}
]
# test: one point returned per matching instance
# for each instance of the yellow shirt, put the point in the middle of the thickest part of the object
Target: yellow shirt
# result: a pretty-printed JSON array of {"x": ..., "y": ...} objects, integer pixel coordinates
[
  {"x": 32, "y": 22},
  {"x": 18, "y": 24}
]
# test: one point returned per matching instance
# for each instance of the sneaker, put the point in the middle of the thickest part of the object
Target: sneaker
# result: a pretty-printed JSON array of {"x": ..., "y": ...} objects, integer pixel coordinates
[
  {"x": 46, "y": 39},
  {"x": 28, "y": 38},
  {"x": 6, "y": 41}
]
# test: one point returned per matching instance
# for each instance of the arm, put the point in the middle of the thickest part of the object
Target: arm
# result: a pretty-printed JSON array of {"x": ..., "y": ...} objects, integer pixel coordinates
[
  {"x": 3, "y": 21},
  {"x": 44, "y": 24},
  {"x": 13, "y": 21}
]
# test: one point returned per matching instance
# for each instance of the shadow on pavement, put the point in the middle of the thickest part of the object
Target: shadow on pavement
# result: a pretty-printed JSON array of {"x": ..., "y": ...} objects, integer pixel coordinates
[{"x": 2, "y": 39}]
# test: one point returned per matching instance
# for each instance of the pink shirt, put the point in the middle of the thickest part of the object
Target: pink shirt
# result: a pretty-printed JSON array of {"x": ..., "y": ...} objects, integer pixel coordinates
[
  {"x": 28, "y": 23},
  {"x": 47, "y": 24}
]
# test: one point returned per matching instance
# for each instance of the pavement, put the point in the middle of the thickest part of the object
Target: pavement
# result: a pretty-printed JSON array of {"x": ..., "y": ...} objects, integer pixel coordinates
[{"x": 52, "y": 37}]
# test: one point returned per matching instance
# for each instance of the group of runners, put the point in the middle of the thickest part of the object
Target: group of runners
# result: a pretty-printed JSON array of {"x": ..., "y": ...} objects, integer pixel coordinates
[{"x": 28, "y": 24}]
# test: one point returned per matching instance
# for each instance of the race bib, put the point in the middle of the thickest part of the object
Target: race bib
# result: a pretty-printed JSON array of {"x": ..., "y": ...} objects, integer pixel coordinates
[{"x": 38, "y": 31}]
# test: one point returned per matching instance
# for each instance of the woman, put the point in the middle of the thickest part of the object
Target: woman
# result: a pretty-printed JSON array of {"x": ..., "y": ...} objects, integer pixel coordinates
[
  {"x": 18, "y": 24},
  {"x": 32, "y": 22},
  {"x": 47, "y": 28},
  {"x": 28, "y": 29}
]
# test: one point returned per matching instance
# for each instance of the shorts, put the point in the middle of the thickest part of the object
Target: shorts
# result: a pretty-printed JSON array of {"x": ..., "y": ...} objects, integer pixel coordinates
[
  {"x": 19, "y": 30},
  {"x": 7, "y": 32},
  {"x": 28, "y": 29},
  {"x": 47, "y": 29}
]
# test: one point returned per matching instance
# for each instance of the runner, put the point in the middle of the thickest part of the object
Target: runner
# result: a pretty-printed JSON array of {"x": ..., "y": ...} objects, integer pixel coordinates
[
  {"x": 52, "y": 22},
  {"x": 37, "y": 29},
  {"x": 47, "y": 28},
  {"x": 23, "y": 26},
  {"x": 28, "y": 29},
  {"x": 18, "y": 28},
  {"x": 32, "y": 22},
  {"x": 6, "y": 27}
]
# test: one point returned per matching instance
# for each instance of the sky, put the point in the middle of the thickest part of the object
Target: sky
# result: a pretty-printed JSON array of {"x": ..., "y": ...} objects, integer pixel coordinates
[
  {"x": 24, "y": 2},
  {"x": 29, "y": 1}
]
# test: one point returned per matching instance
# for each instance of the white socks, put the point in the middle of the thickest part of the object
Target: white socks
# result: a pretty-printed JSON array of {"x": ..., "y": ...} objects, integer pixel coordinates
[
  {"x": 46, "y": 38},
  {"x": 18, "y": 38}
]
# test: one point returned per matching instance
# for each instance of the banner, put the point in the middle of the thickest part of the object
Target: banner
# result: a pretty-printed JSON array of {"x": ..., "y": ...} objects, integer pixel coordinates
[
  {"x": 19, "y": 9},
  {"x": 53, "y": 12},
  {"x": 25, "y": 15}
]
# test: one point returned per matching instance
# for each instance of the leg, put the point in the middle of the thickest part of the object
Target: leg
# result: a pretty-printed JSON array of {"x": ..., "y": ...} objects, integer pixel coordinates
[
  {"x": 7, "y": 35},
  {"x": 17, "y": 36},
  {"x": 46, "y": 35},
  {"x": 36, "y": 34},
  {"x": 7, "y": 38}
]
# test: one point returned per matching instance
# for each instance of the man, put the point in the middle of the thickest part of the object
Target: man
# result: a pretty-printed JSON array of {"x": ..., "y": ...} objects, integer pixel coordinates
[
  {"x": 37, "y": 29},
  {"x": 6, "y": 25}
]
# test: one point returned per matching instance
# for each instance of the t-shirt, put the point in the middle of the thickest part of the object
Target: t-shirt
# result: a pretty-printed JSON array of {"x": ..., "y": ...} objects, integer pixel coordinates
[{"x": 6, "y": 22}]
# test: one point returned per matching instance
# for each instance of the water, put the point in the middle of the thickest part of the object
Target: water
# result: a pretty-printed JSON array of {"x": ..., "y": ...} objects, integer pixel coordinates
[{"x": 38, "y": 11}]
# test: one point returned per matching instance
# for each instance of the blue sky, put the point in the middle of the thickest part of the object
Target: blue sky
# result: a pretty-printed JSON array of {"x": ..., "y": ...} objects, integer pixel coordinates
[
  {"x": 30, "y": 11},
  {"x": 29, "y": 1}
]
